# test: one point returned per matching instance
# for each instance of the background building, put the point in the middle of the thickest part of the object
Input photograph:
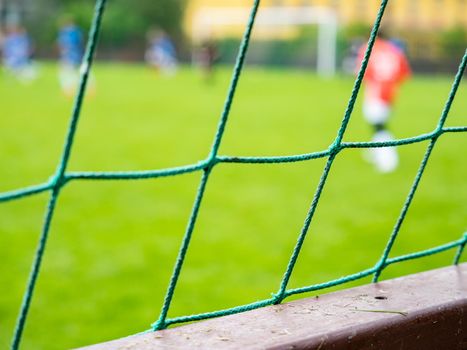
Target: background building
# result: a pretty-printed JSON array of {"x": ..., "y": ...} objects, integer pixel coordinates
[
  {"x": 434, "y": 32},
  {"x": 402, "y": 14}
]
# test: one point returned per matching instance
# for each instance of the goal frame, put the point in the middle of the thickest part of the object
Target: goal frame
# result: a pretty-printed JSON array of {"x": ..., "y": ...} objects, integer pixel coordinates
[{"x": 207, "y": 18}]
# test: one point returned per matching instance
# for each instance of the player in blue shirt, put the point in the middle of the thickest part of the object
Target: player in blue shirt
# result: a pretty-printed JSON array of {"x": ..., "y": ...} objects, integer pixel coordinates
[
  {"x": 17, "y": 50},
  {"x": 160, "y": 53},
  {"x": 70, "y": 44}
]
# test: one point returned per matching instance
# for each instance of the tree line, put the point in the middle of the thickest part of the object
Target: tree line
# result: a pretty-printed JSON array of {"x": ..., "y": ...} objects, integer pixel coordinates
[{"x": 125, "y": 23}]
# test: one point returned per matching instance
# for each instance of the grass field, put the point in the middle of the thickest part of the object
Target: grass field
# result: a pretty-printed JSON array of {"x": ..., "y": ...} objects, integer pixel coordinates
[{"x": 113, "y": 244}]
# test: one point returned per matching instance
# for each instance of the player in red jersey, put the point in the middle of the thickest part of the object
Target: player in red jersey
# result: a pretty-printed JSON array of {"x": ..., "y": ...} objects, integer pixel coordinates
[{"x": 387, "y": 69}]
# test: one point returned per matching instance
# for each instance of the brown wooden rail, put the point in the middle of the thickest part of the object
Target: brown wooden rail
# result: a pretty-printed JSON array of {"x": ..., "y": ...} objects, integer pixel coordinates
[{"x": 427, "y": 310}]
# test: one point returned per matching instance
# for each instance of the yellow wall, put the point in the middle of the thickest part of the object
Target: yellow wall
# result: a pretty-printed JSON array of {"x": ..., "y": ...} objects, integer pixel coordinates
[{"x": 400, "y": 14}]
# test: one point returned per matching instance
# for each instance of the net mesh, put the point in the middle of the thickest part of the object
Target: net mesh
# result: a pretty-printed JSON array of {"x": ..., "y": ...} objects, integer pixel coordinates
[{"x": 62, "y": 177}]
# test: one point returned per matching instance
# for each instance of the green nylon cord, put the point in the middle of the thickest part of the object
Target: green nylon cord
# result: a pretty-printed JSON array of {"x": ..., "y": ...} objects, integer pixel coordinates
[
  {"x": 361, "y": 72},
  {"x": 62, "y": 177},
  {"x": 161, "y": 322},
  {"x": 58, "y": 180},
  {"x": 333, "y": 150},
  {"x": 405, "y": 208},
  {"x": 186, "y": 169},
  {"x": 23, "y": 314},
  {"x": 293, "y": 259},
  {"x": 319, "y": 286}
]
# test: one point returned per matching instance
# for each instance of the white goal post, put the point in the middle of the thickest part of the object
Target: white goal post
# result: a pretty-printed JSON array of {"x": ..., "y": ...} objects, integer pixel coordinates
[{"x": 205, "y": 19}]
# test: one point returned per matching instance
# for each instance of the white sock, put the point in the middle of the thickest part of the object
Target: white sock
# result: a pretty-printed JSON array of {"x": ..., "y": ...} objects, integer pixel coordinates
[{"x": 384, "y": 158}]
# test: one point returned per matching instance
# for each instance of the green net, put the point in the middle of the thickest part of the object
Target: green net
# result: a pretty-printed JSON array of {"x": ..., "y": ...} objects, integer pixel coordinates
[{"x": 62, "y": 178}]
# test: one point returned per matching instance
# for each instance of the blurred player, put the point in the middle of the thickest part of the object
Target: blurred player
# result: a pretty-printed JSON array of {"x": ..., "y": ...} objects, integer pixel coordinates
[
  {"x": 206, "y": 57},
  {"x": 387, "y": 69},
  {"x": 17, "y": 51},
  {"x": 160, "y": 52},
  {"x": 2, "y": 38},
  {"x": 70, "y": 44}
]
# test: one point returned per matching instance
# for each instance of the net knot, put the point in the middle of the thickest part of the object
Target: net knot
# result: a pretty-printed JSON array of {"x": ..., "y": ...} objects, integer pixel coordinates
[
  {"x": 210, "y": 163},
  {"x": 57, "y": 180},
  {"x": 277, "y": 298},
  {"x": 334, "y": 148},
  {"x": 380, "y": 265},
  {"x": 159, "y": 325},
  {"x": 438, "y": 132}
]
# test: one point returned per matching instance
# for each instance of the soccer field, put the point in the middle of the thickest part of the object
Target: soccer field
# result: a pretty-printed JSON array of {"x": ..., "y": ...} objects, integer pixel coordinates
[{"x": 113, "y": 243}]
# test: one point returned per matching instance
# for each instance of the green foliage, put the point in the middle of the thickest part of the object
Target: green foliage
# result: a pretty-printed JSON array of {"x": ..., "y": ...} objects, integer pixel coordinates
[
  {"x": 125, "y": 22},
  {"x": 453, "y": 43},
  {"x": 297, "y": 51},
  {"x": 129, "y": 20},
  {"x": 81, "y": 12},
  {"x": 120, "y": 25},
  {"x": 356, "y": 30}
]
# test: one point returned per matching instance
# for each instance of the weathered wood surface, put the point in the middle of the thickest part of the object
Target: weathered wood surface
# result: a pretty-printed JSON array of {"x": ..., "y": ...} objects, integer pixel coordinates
[{"x": 421, "y": 311}]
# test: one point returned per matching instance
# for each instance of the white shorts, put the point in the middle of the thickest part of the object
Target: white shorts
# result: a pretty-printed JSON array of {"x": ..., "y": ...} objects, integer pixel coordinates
[
  {"x": 376, "y": 111},
  {"x": 68, "y": 77}
]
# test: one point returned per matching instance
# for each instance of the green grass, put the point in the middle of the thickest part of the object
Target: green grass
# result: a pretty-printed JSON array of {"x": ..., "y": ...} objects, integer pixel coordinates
[{"x": 113, "y": 244}]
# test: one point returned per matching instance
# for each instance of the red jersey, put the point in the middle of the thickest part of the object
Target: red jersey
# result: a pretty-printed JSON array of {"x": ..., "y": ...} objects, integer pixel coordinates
[{"x": 387, "y": 68}]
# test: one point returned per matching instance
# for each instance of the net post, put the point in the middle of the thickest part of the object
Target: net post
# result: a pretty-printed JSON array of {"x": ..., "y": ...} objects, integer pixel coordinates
[{"x": 327, "y": 42}]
